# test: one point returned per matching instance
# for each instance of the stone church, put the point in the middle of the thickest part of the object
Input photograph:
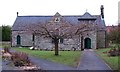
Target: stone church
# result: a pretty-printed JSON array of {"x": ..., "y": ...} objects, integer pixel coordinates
[{"x": 91, "y": 40}]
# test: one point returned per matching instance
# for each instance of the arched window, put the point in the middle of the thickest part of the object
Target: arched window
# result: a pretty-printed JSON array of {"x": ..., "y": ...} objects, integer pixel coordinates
[
  {"x": 33, "y": 37},
  {"x": 18, "y": 40}
]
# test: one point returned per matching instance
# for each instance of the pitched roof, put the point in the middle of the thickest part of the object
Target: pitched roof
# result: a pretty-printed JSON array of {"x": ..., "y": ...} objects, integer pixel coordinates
[
  {"x": 87, "y": 16},
  {"x": 22, "y": 21}
]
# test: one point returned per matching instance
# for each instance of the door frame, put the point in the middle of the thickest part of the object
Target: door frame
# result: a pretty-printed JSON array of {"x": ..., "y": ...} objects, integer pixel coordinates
[{"x": 87, "y": 43}]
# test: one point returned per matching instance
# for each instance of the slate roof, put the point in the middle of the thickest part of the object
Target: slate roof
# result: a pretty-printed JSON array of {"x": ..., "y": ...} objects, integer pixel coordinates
[
  {"x": 22, "y": 21},
  {"x": 87, "y": 16}
]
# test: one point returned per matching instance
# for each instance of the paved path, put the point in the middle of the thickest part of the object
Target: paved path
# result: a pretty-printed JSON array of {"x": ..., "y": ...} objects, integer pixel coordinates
[
  {"x": 44, "y": 64},
  {"x": 48, "y": 65},
  {"x": 90, "y": 61}
]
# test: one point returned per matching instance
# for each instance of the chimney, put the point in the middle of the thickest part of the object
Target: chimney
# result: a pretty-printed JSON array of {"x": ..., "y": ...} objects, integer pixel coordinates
[
  {"x": 102, "y": 11},
  {"x": 17, "y": 13}
]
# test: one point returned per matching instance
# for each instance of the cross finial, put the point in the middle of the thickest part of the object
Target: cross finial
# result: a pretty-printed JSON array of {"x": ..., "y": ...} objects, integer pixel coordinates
[{"x": 86, "y": 10}]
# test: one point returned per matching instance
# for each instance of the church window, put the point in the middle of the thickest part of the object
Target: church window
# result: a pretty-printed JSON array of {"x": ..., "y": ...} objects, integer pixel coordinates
[
  {"x": 33, "y": 37},
  {"x": 18, "y": 40},
  {"x": 61, "y": 40}
]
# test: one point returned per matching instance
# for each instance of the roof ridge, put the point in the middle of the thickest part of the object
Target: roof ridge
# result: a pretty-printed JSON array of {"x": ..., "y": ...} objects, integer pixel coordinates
[
  {"x": 36, "y": 16},
  {"x": 51, "y": 16},
  {"x": 87, "y": 14}
]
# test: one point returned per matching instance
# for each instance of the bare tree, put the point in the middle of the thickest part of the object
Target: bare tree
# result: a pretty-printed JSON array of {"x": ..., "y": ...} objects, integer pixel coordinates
[{"x": 58, "y": 30}]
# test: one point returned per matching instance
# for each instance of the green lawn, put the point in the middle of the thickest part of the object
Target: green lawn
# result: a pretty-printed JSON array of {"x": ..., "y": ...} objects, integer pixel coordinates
[
  {"x": 111, "y": 61},
  {"x": 70, "y": 58}
]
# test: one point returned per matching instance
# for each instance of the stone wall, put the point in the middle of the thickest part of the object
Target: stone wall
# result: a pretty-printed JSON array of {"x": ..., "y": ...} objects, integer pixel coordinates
[
  {"x": 69, "y": 44},
  {"x": 101, "y": 39},
  {"x": 46, "y": 43},
  {"x": 26, "y": 38},
  {"x": 43, "y": 43},
  {"x": 92, "y": 36}
]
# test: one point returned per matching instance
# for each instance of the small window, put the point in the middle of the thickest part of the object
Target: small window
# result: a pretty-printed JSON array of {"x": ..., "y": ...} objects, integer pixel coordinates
[
  {"x": 61, "y": 40},
  {"x": 33, "y": 37}
]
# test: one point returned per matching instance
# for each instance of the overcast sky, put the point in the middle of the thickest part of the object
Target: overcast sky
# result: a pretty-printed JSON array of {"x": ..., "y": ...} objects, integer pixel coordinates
[{"x": 8, "y": 9}]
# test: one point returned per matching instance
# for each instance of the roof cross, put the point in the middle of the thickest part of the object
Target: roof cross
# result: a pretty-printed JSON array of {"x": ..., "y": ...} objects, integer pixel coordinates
[{"x": 86, "y": 10}]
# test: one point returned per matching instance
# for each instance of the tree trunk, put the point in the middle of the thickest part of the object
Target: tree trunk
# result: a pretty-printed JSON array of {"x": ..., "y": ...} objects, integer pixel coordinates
[
  {"x": 33, "y": 45},
  {"x": 56, "y": 48}
]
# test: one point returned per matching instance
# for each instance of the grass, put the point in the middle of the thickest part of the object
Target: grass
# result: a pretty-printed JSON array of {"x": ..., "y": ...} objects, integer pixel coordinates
[
  {"x": 111, "y": 61},
  {"x": 70, "y": 58}
]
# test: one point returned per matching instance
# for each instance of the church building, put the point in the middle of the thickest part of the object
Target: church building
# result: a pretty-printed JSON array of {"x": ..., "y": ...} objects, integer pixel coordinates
[{"x": 91, "y": 40}]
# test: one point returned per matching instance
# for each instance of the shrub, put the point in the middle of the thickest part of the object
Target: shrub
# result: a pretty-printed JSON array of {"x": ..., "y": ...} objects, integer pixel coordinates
[
  {"x": 6, "y": 54},
  {"x": 114, "y": 52},
  {"x": 46, "y": 49},
  {"x": 20, "y": 59},
  {"x": 6, "y": 49},
  {"x": 51, "y": 50}
]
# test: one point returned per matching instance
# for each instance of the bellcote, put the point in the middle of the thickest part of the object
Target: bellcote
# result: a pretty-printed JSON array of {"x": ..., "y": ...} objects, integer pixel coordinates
[{"x": 57, "y": 17}]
